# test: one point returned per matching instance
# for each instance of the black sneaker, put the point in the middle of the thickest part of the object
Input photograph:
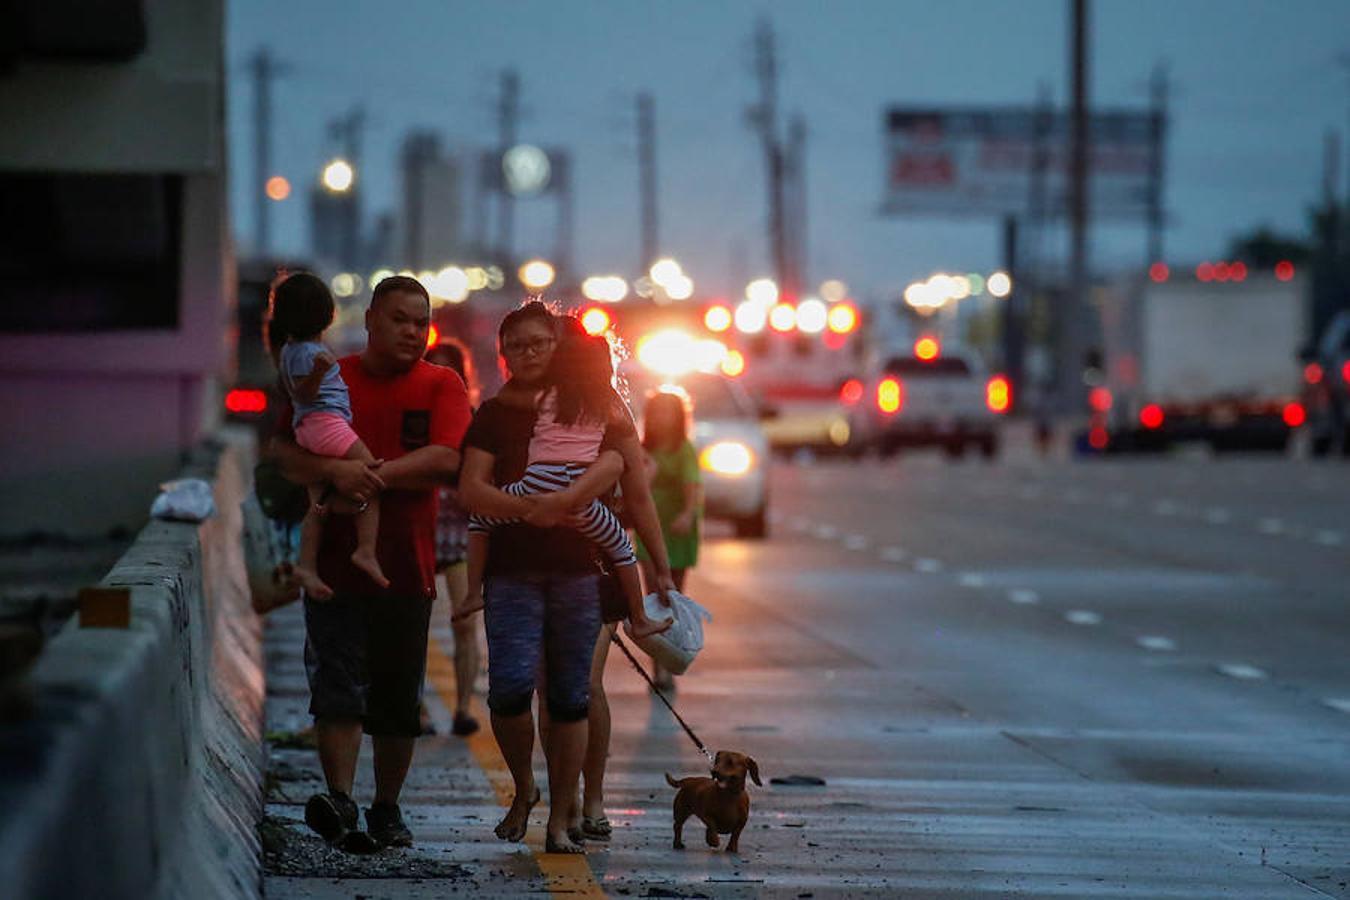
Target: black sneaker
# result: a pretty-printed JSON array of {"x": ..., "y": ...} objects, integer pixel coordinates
[
  {"x": 384, "y": 821},
  {"x": 464, "y": 725},
  {"x": 331, "y": 815}
]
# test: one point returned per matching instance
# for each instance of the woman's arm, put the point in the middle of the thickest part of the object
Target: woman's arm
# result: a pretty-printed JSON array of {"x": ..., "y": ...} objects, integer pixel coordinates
[
  {"x": 479, "y": 495},
  {"x": 599, "y": 477}
]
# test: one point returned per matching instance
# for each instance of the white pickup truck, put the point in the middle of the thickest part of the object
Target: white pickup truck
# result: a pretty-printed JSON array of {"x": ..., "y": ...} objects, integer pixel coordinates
[{"x": 927, "y": 398}]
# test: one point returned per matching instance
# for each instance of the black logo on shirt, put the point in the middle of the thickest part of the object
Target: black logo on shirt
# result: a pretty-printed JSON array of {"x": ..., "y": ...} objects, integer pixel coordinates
[{"x": 416, "y": 430}]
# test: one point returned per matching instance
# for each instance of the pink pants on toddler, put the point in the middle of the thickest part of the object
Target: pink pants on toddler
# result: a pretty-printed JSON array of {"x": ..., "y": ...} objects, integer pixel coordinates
[{"x": 327, "y": 434}]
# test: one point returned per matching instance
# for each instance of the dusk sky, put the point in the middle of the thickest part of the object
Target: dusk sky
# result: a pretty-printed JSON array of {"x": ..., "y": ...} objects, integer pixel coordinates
[{"x": 1257, "y": 85}]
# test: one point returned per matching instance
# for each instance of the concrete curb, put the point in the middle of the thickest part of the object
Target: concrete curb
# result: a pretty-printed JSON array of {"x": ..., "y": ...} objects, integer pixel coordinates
[{"x": 140, "y": 772}]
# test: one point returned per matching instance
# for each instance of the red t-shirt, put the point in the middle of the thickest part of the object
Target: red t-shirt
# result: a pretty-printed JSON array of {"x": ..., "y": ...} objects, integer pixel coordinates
[{"x": 394, "y": 416}]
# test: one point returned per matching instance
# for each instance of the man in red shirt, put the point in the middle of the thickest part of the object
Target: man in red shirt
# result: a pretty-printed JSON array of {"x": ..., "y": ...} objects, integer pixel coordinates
[{"x": 366, "y": 648}]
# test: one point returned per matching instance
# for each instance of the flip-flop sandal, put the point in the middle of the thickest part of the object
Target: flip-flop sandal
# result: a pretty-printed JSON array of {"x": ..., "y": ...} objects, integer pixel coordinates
[
  {"x": 596, "y": 828},
  {"x": 514, "y": 836},
  {"x": 576, "y": 834},
  {"x": 552, "y": 846}
]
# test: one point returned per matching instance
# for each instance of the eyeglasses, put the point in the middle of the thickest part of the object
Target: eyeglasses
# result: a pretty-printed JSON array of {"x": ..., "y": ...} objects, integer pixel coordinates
[{"x": 520, "y": 348}]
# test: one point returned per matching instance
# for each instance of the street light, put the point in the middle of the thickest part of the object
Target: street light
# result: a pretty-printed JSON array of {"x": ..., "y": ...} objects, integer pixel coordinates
[
  {"x": 278, "y": 188},
  {"x": 762, "y": 291},
  {"x": 999, "y": 285},
  {"x": 338, "y": 176}
]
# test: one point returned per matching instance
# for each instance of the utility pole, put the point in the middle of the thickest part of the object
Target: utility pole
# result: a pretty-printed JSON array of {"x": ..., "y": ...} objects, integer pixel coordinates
[
  {"x": 264, "y": 69},
  {"x": 646, "y": 125},
  {"x": 508, "y": 114},
  {"x": 764, "y": 117},
  {"x": 1159, "y": 88},
  {"x": 796, "y": 209},
  {"x": 1073, "y": 311},
  {"x": 347, "y": 131}
]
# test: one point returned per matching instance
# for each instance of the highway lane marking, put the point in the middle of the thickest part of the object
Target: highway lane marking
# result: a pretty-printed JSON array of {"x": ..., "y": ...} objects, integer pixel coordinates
[
  {"x": 1166, "y": 508},
  {"x": 1024, "y": 596},
  {"x": 927, "y": 566},
  {"x": 1119, "y": 501},
  {"x": 1271, "y": 526},
  {"x": 972, "y": 580},
  {"x": 826, "y": 532},
  {"x": 1156, "y": 642},
  {"x": 1217, "y": 515},
  {"x": 564, "y": 874},
  {"x": 856, "y": 542},
  {"x": 1341, "y": 704},
  {"x": 892, "y": 554},
  {"x": 1082, "y": 617},
  {"x": 1241, "y": 671}
]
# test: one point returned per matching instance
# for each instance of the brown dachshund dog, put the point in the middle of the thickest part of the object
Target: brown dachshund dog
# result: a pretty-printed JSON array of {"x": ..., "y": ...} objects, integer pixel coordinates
[{"x": 721, "y": 801}]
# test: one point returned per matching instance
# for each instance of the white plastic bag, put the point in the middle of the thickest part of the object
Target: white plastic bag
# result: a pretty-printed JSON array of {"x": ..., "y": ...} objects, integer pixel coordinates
[
  {"x": 184, "y": 500},
  {"x": 677, "y": 646}
]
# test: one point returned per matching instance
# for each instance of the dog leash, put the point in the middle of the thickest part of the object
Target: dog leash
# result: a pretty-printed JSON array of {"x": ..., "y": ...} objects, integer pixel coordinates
[{"x": 657, "y": 691}]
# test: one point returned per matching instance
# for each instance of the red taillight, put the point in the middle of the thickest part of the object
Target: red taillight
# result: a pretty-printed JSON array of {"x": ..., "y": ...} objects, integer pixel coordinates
[
  {"x": 1284, "y": 270},
  {"x": 1159, "y": 272},
  {"x": 1151, "y": 416},
  {"x": 1345, "y": 372},
  {"x": 246, "y": 400},
  {"x": 998, "y": 394},
  {"x": 927, "y": 349},
  {"x": 1294, "y": 415},
  {"x": 851, "y": 392},
  {"x": 890, "y": 396},
  {"x": 1312, "y": 373},
  {"x": 1099, "y": 398},
  {"x": 1098, "y": 438}
]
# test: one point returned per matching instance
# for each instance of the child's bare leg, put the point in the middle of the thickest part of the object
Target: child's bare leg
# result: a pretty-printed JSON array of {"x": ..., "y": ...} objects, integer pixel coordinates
[
  {"x": 306, "y": 569},
  {"x": 475, "y": 562},
  {"x": 639, "y": 625},
  {"x": 367, "y": 526}
]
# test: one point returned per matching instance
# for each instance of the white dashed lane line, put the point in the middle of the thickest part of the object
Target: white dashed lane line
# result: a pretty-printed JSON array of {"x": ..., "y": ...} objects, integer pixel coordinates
[
  {"x": 1270, "y": 526},
  {"x": 856, "y": 542},
  {"x": 1082, "y": 617},
  {"x": 971, "y": 580},
  {"x": 892, "y": 554},
  {"x": 1217, "y": 515},
  {"x": 1241, "y": 671},
  {"x": 1328, "y": 538},
  {"x": 927, "y": 566},
  {"x": 1024, "y": 597},
  {"x": 1156, "y": 642},
  {"x": 1341, "y": 704},
  {"x": 1166, "y": 508},
  {"x": 826, "y": 532}
]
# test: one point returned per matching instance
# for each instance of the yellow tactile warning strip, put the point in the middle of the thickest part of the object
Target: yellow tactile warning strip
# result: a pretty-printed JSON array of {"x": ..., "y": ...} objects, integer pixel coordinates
[{"x": 565, "y": 875}]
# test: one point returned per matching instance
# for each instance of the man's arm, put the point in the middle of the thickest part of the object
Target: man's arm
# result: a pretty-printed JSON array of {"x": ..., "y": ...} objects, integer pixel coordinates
[
  {"x": 349, "y": 477},
  {"x": 479, "y": 495},
  {"x": 423, "y": 469}
]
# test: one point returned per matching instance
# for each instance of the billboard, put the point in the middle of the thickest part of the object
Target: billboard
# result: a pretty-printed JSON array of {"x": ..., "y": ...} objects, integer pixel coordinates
[{"x": 991, "y": 162}]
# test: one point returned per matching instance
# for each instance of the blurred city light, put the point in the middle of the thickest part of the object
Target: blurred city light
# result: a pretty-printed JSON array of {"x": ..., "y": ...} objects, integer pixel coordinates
[
  {"x": 433, "y": 336},
  {"x": 344, "y": 284},
  {"x": 246, "y": 400},
  {"x": 664, "y": 272},
  {"x": 717, "y": 318},
  {"x": 1098, "y": 438},
  {"x": 890, "y": 396},
  {"x": 833, "y": 290},
  {"x": 843, "y": 318},
  {"x": 278, "y": 188},
  {"x": 762, "y": 291},
  {"x": 751, "y": 317},
  {"x": 595, "y": 320},
  {"x": 1151, "y": 416},
  {"x": 338, "y": 176},
  {"x": 496, "y": 278},
  {"x": 478, "y": 277},
  {"x": 1284, "y": 270},
  {"x": 851, "y": 392},
  {"x": 976, "y": 281},
  {"x": 999, "y": 285},
  {"x": 709, "y": 354},
  {"x": 1312, "y": 373},
  {"x": 734, "y": 364},
  {"x": 1100, "y": 399},
  {"x": 1294, "y": 415},
  {"x": 604, "y": 288},
  {"x": 998, "y": 394},
  {"x": 450, "y": 283},
  {"x": 812, "y": 316},
  {"x": 536, "y": 274},
  {"x": 927, "y": 349},
  {"x": 1205, "y": 271},
  {"x": 380, "y": 275},
  {"x": 680, "y": 287},
  {"x": 1159, "y": 272},
  {"x": 783, "y": 317},
  {"x": 960, "y": 287}
]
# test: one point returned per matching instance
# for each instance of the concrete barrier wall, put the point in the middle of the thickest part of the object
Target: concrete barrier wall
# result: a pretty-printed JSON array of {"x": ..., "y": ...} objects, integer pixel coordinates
[{"x": 139, "y": 773}]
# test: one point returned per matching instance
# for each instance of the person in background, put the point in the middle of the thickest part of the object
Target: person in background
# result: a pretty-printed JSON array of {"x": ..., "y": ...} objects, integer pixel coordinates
[
  {"x": 452, "y": 536},
  {"x": 677, "y": 489}
]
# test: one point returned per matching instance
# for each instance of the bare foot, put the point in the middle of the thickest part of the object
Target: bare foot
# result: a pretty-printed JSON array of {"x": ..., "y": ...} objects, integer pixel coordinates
[
  {"x": 642, "y": 626},
  {"x": 366, "y": 562},
  {"x": 314, "y": 587},
  {"x": 562, "y": 843},
  {"x": 516, "y": 822}
]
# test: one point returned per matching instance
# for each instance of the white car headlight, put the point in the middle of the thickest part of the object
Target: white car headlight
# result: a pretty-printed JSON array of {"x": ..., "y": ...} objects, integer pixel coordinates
[{"x": 727, "y": 458}]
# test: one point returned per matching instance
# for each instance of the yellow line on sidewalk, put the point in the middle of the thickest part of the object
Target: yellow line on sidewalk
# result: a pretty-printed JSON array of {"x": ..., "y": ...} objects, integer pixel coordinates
[{"x": 569, "y": 875}]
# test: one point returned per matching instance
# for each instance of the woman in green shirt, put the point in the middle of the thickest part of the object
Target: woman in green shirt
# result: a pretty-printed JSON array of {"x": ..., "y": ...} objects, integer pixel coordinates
[{"x": 672, "y": 466}]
